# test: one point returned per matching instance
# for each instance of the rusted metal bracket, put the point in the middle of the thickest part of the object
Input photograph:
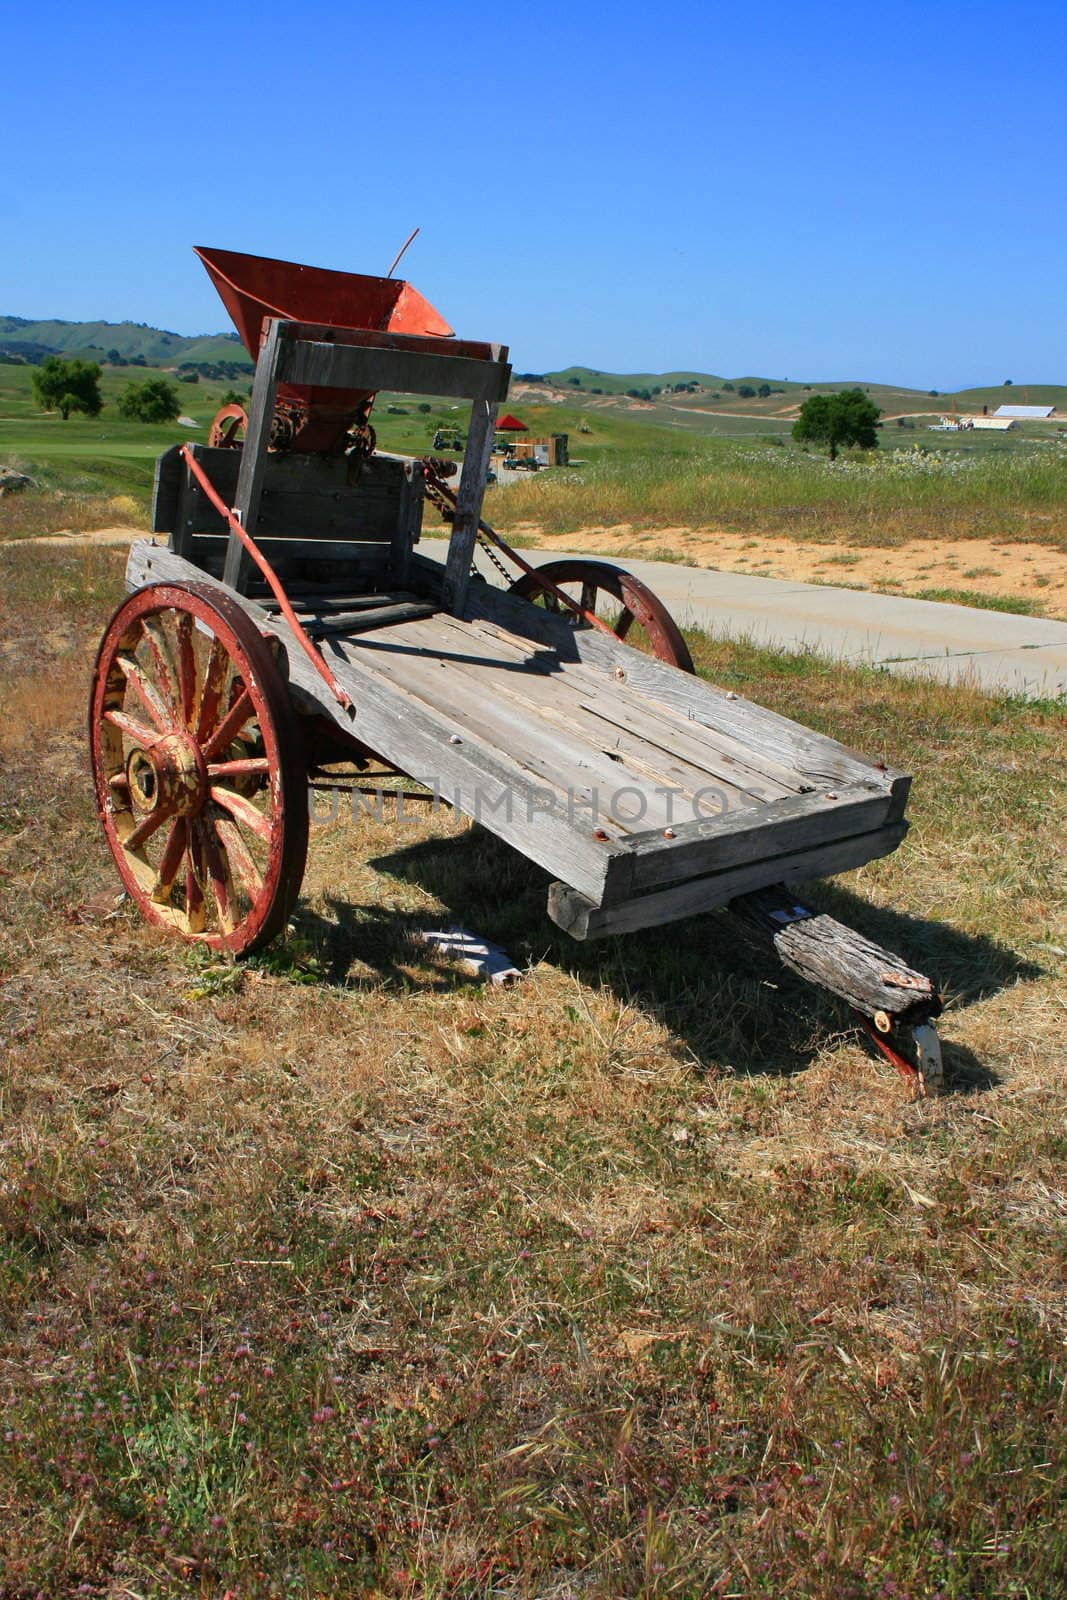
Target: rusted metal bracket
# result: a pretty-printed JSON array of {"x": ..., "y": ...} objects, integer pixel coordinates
[{"x": 925, "y": 1076}]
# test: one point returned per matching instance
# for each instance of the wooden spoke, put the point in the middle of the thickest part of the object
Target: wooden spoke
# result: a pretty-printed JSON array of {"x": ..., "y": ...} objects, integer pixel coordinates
[
  {"x": 624, "y": 624},
  {"x": 183, "y": 637},
  {"x": 172, "y": 858},
  {"x": 218, "y": 868},
  {"x": 147, "y": 693},
  {"x": 195, "y": 878},
  {"x": 243, "y": 810},
  {"x": 138, "y": 731},
  {"x": 215, "y": 674},
  {"x": 589, "y": 594},
  {"x": 240, "y": 856},
  {"x": 144, "y": 830},
  {"x": 230, "y": 726},
  {"x": 159, "y": 649},
  {"x": 238, "y": 769}
]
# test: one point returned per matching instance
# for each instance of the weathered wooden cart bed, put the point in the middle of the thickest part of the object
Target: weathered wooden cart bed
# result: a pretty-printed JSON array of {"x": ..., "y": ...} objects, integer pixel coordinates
[
  {"x": 648, "y": 793},
  {"x": 290, "y": 620}
]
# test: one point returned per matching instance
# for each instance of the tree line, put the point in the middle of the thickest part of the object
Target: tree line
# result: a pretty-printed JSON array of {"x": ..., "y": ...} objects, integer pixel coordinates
[{"x": 74, "y": 387}]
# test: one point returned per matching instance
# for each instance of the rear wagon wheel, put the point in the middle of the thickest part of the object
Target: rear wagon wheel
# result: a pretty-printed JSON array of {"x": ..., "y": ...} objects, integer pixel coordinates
[{"x": 587, "y": 581}]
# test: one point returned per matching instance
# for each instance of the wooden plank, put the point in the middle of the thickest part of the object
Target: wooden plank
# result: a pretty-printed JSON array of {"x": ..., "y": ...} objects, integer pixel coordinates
[
  {"x": 320, "y": 601},
  {"x": 526, "y": 677},
  {"x": 711, "y": 845},
  {"x": 207, "y": 546},
  {"x": 653, "y": 859},
  {"x": 352, "y": 622},
  {"x": 408, "y": 525},
  {"x": 238, "y": 567},
  {"x": 655, "y": 724},
  {"x": 310, "y": 496},
  {"x": 596, "y": 792},
  {"x": 468, "y": 506},
  {"x": 816, "y": 759},
  {"x": 577, "y": 913},
  {"x": 616, "y": 711},
  {"x": 183, "y": 530},
  {"x": 834, "y": 956},
  {"x": 166, "y": 489},
  {"x": 380, "y": 339},
  {"x": 340, "y": 366},
  {"x": 479, "y": 779}
]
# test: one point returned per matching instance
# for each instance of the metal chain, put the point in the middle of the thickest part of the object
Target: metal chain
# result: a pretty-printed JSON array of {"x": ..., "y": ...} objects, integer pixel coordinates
[
  {"x": 447, "y": 510},
  {"x": 483, "y": 543}
]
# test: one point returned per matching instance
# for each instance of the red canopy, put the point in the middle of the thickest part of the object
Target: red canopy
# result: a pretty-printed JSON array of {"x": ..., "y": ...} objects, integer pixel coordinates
[{"x": 511, "y": 424}]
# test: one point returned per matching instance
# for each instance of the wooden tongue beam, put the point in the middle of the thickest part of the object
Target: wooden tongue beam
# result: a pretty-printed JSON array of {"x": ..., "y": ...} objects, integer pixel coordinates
[{"x": 887, "y": 994}]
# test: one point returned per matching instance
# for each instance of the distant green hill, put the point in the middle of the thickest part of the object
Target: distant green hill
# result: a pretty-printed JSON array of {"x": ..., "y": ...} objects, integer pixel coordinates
[
  {"x": 155, "y": 346},
  {"x": 703, "y": 394},
  {"x": 702, "y": 401},
  {"x": 589, "y": 379}
]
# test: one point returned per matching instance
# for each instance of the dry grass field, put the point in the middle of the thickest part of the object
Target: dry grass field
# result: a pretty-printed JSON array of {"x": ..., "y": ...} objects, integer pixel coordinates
[
  {"x": 865, "y": 500},
  {"x": 333, "y": 1274}
]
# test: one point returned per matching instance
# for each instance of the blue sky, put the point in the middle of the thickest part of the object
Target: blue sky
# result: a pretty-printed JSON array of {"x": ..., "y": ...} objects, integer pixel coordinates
[{"x": 795, "y": 191}]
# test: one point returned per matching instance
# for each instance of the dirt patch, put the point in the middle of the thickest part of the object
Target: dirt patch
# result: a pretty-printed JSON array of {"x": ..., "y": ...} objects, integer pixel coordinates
[
  {"x": 69, "y": 536},
  {"x": 1033, "y": 572}
]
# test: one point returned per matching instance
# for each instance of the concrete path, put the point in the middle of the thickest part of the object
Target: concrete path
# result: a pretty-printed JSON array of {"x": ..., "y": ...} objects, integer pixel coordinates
[{"x": 993, "y": 650}]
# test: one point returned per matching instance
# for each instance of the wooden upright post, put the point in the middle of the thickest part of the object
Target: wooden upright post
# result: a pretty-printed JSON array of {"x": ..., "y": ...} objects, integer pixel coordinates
[
  {"x": 238, "y": 568},
  {"x": 469, "y": 505}
]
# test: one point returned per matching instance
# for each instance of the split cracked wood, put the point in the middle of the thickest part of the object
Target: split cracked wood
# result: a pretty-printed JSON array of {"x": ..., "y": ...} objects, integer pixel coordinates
[{"x": 826, "y": 952}]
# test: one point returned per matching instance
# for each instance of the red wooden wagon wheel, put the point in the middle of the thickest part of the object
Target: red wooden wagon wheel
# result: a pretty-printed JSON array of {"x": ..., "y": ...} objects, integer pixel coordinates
[
  {"x": 199, "y": 765},
  {"x": 228, "y": 428},
  {"x": 588, "y": 580}
]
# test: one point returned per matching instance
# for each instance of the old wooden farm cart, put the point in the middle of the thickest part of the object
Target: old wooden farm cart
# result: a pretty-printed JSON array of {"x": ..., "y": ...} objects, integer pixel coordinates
[{"x": 289, "y": 623}]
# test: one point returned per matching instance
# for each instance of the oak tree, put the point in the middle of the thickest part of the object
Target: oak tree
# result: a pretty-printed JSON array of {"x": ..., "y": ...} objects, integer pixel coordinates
[{"x": 846, "y": 418}]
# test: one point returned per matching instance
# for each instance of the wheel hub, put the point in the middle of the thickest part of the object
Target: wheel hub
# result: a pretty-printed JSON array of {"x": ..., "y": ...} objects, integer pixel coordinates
[{"x": 169, "y": 777}]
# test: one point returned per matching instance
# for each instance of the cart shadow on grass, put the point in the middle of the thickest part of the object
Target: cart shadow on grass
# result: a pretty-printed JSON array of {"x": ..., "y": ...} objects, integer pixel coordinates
[{"x": 730, "y": 1004}]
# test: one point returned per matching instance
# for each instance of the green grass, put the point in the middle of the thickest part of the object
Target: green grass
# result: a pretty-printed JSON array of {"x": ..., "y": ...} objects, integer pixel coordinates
[
  {"x": 98, "y": 455},
  {"x": 646, "y": 468},
  {"x": 1019, "y": 604},
  {"x": 334, "y": 1275}
]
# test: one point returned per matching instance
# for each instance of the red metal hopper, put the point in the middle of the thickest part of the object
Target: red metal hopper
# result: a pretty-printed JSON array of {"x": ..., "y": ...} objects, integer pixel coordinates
[{"x": 253, "y": 288}]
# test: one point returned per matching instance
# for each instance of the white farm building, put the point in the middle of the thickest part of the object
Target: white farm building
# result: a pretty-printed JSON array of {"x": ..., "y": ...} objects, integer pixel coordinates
[
  {"x": 1025, "y": 413},
  {"x": 996, "y": 424}
]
